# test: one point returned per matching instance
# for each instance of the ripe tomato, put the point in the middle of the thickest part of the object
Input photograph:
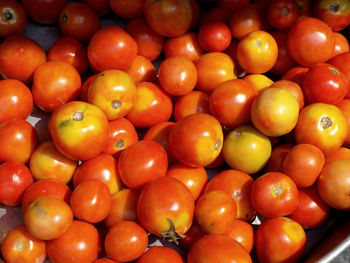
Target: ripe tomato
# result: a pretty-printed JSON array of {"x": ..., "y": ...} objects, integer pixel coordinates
[
  {"x": 232, "y": 4},
  {"x": 214, "y": 36},
  {"x": 278, "y": 154},
  {"x": 293, "y": 87},
  {"x": 125, "y": 241},
  {"x": 102, "y": 7},
  {"x": 196, "y": 140},
  {"x": 21, "y": 247},
  {"x": 55, "y": 83},
  {"x": 105, "y": 260},
  {"x": 274, "y": 194},
  {"x": 13, "y": 19},
  {"x": 18, "y": 140},
  {"x": 19, "y": 57},
  {"x": 47, "y": 162},
  {"x": 44, "y": 11},
  {"x": 192, "y": 235},
  {"x": 79, "y": 130},
  {"x": 142, "y": 70},
  {"x": 258, "y": 81},
  {"x": 282, "y": 13},
  {"x": 85, "y": 87},
  {"x": 341, "y": 153},
  {"x": 341, "y": 61},
  {"x": 280, "y": 239},
  {"x": 127, "y": 9},
  {"x": 242, "y": 232},
  {"x": 79, "y": 244},
  {"x": 114, "y": 92},
  {"x": 341, "y": 44},
  {"x": 305, "y": 8},
  {"x": 216, "y": 14},
  {"x": 119, "y": 53},
  {"x": 48, "y": 217},
  {"x": 344, "y": 106},
  {"x": 16, "y": 100},
  {"x": 296, "y": 74},
  {"x": 176, "y": 16},
  {"x": 159, "y": 254}
]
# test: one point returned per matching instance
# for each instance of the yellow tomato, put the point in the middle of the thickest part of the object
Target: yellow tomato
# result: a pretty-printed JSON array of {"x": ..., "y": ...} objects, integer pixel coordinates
[{"x": 258, "y": 81}]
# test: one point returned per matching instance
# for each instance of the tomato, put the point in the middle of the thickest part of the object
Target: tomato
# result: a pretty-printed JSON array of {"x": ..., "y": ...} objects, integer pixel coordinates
[
  {"x": 142, "y": 70},
  {"x": 159, "y": 254},
  {"x": 44, "y": 11},
  {"x": 274, "y": 194},
  {"x": 46, "y": 187},
  {"x": 70, "y": 50},
  {"x": 121, "y": 135},
  {"x": 257, "y": 52},
  {"x": 68, "y": 128},
  {"x": 15, "y": 177},
  {"x": 114, "y": 92},
  {"x": 119, "y": 53},
  {"x": 79, "y": 244},
  {"x": 280, "y": 240},
  {"x": 150, "y": 44},
  {"x": 258, "y": 81},
  {"x": 83, "y": 95},
  {"x": 213, "y": 68},
  {"x": 176, "y": 16},
  {"x": 341, "y": 44},
  {"x": 105, "y": 260},
  {"x": 48, "y": 217},
  {"x": 341, "y": 61},
  {"x": 312, "y": 211},
  {"x": 231, "y": 102},
  {"x": 102, "y": 7},
  {"x": 196, "y": 140},
  {"x": 194, "y": 102},
  {"x": 152, "y": 105},
  {"x": 216, "y": 14},
  {"x": 19, "y": 57},
  {"x": 293, "y": 87},
  {"x": 243, "y": 233},
  {"x": 217, "y": 248},
  {"x": 21, "y": 247},
  {"x": 141, "y": 163},
  {"x": 192, "y": 235},
  {"x": 244, "y": 20},
  {"x": 18, "y": 140},
  {"x": 341, "y": 153},
  {"x": 173, "y": 216},
  {"x": 232, "y": 4},
  {"x": 322, "y": 125},
  {"x": 310, "y": 41},
  {"x": 127, "y": 9},
  {"x": 333, "y": 184},
  {"x": 214, "y": 36},
  {"x": 278, "y": 154},
  {"x": 282, "y": 13},
  {"x": 123, "y": 207},
  {"x": 246, "y": 149},
  {"x": 55, "y": 83},
  {"x": 275, "y": 112},
  {"x": 305, "y": 8},
  {"x": 13, "y": 18},
  {"x": 47, "y": 162},
  {"x": 296, "y": 74},
  {"x": 344, "y": 106},
  {"x": 126, "y": 241},
  {"x": 177, "y": 75},
  {"x": 196, "y": 12},
  {"x": 16, "y": 100}
]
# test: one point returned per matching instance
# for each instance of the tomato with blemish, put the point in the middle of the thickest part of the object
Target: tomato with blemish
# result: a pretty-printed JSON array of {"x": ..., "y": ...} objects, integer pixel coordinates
[{"x": 13, "y": 18}]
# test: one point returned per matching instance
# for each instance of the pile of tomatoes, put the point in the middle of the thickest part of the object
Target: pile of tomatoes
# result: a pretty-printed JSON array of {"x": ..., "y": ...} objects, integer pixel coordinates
[{"x": 254, "y": 95}]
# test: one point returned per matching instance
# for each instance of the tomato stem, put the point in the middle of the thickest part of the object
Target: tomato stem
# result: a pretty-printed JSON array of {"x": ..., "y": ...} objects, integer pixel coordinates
[{"x": 171, "y": 235}]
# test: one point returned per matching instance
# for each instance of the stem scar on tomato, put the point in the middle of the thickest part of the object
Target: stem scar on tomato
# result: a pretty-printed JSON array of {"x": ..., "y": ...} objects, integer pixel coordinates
[
  {"x": 217, "y": 145},
  {"x": 116, "y": 104},
  {"x": 120, "y": 144},
  {"x": 171, "y": 235},
  {"x": 326, "y": 122},
  {"x": 277, "y": 191},
  {"x": 19, "y": 246},
  {"x": 334, "y": 7},
  {"x": 7, "y": 15}
]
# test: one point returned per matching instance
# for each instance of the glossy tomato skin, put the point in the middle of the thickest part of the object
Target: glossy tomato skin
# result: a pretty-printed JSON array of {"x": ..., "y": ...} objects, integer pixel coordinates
[
  {"x": 258, "y": 81},
  {"x": 13, "y": 19},
  {"x": 282, "y": 13},
  {"x": 83, "y": 95},
  {"x": 296, "y": 74},
  {"x": 82, "y": 143},
  {"x": 159, "y": 254},
  {"x": 341, "y": 153},
  {"x": 21, "y": 247},
  {"x": 79, "y": 244},
  {"x": 126, "y": 8},
  {"x": 293, "y": 87},
  {"x": 214, "y": 36},
  {"x": 278, "y": 154},
  {"x": 16, "y": 100},
  {"x": 242, "y": 232},
  {"x": 341, "y": 61},
  {"x": 196, "y": 140},
  {"x": 105, "y": 260},
  {"x": 18, "y": 140},
  {"x": 142, "y": 70},
  {"x": 344, "y": 106},
  {"x": 280, "y": 239},
  {"x": 15, "y": 177},
  {"x": 341, "y": 44},
  {"x": 44, "y": 12},
  {"x": 102, "y": 7},
  {"x": 119, "y": 54}
]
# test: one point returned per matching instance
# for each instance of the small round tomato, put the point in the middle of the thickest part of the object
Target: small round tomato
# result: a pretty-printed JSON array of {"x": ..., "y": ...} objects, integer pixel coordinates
[
  {"x": 70, "y": 50},
  {"x": 127, "y": 9},
  {"x": 44, "y": 11},
  {"x": 142, "y": 70},
  {"x": 86, "y": 125},
  {"x": 83, "y": 94},
  {"x": 282, "y": 13},
  {"x": 159, "y": 254},
  {"x": 242, "y": 232},
  {"x": 278, "y": 154},
  {"x": 114, "y": 92},
  {"x": 274, "y": 194},
  {"x": 341, "y": 153},
  {"x": 280, "y": 239},
  {"x": 341, "y": 44},
  {"x": 342, "y": 62},
  {"x": 293, "y": 87},
  {"x": 258, "y": 81},
  {"x": 18, "y": 140},
  {"x": 102, "y": 7},
  {"x": 55, "y": 83},
  {"x": 16, "y": 100},
  {"x": 125, "y": 241},
  {"x": 48, "y": 217},
  {"x": 296, "y": 74},
  {"x": 202, "y": 136},
  {"x": 13, "y": 18},
  {"x": 214, "y": 36},
  {"x": 246, "y": 149},
  {"x": 123, "y": 207},
  {"x": 19, "y": 57},
  {"x": 80, "y": 244},
  {"x": 21, "y": 247},
  {"x": 119, "y": 52}
]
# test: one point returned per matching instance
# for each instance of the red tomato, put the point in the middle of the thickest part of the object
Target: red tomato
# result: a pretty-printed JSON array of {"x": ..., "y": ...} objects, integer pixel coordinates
[
  {"x": 54, "y": 84},
  {"x": 196, "y": 12},
  {"x": 16, "y": 100},
  {"x": 142, "y": 70},
  {"x": 141, "y": 163},
  {"x": 217, "y": 248},
  {"x": 305, "y": 8},
  {"x": 126, "y": 241},
  {"x": 19, "y": 57},
  {"x": 21, "y": 247},
  {"x": 344, "y": 106},
  {"x": 79, "y": 244},
  {"x": 341, "y": 44},
  {"x": 282, "y": 13},
  {"x": 342, "y": 62},
  {"x": 192, "y": 235},
  {"x": 216, "y": 14},
  {"x": 102, "y": 7},
  {"x": 278, "y": 154},
  {"x": 119, "y": 53},
  {"x": 18, "y": 140},
  {"x": 13, "y": 18},
  {"x": 15, "y": 177},
  {"x": 214, "y": 36},
  {"x": 159, "y": 254},
  {"x": 274, "y": 194},
  {"x": 176, "y": 16},
  {"x": 293, "y": 87},
  {"x": 85, "y": 87},
  {"x": 243, "y": 233},
  {"x": 295, "y": 74},
  {"x": 232, "y": 4},
  {"x": 127, "y": 9},
  {"x": 44, "y": 11},
  {"x": 105, "y": 260},
  {"x": 341, "y": 153},
  {"x": 280, "y": 239}
]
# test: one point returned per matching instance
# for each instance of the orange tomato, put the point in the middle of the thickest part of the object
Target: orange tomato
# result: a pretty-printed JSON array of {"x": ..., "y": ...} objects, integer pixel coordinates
[{"x": 142, "y": 69}]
